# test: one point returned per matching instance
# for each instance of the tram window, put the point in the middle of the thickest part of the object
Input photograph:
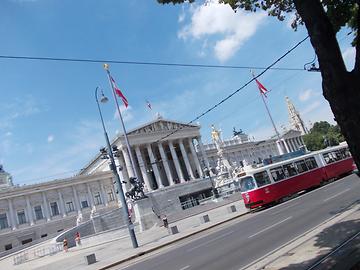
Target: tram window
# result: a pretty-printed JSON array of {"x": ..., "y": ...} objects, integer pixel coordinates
[
  {"x": 328, "y": 158},
  {"x": 289, "y": 170},
  {"x": 311, "y": 163},
  {"x": 301, "y": 166},
  {"x": 262, "y": 178},
  {"x": 277, "y": 174},
  {"x": 247, "y": 183}
]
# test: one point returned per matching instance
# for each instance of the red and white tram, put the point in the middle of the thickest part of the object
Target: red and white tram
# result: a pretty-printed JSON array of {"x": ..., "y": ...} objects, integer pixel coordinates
[{"x": 270, "y": 183}]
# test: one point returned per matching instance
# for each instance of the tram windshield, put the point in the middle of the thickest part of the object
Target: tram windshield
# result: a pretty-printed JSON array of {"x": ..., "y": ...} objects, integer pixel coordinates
[{"x": 247, "y": 183}]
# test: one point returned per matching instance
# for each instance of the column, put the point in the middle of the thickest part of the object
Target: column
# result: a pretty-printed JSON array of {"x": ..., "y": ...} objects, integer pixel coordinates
[
  {"x": 280, "y": 147},
  {"x": 90, "y": 195},
  {"x": 298, "y": 141},
  {"x": 286, "y": 146},
  {"x": 293, "y": 143},
  {"x": 29, "y": 211},
  {"x": 204, "y": 156},
  {"x": 186, "y": 160},
  {"x": 62, "y": 204},
  {"x": 196, "y": 159},
  {"x": 124, "y": 176},
  {"x": 103, "y": 194},
  {"x": 288, "y": 142},
  {"x": 127, "y": 162},
  {"x": 166, "y": 164},
  {"x": 176, "y": 162},
  {"x": 143, "y": 168},
  {"x": 12, "y": 219},
  {"x": 154, "y": 166},
  {"x": 46, "y": 207},
  {"x": 76, "y": 198}
]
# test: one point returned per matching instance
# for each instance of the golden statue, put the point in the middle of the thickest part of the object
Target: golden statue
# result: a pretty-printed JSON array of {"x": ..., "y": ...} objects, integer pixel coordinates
[{"x": 215, "y": 134}]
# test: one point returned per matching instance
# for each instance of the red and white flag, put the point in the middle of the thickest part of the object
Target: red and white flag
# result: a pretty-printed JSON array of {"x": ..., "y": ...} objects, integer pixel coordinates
[
  {"x": 262, "y": 88},
  {"x": 148, "y": 104},
  {"x": 118, "y": 92}
]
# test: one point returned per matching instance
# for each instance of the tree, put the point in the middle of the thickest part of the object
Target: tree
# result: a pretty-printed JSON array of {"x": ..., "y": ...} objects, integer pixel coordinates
[
  {"x": 322, "y": 135},
  {"x": 323, "y": 19}
]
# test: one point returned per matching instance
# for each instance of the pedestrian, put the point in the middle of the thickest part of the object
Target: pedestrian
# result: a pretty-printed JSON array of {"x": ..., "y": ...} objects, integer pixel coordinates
[
  {"x": 77, "y": 239},
  {"x": 165, "y": 221},
  {"x": 65, "y": 244}
]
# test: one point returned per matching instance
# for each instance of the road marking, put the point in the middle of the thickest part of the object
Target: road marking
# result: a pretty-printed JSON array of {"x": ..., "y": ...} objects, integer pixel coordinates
[
  {"x": 212, "y": 240},
  {"x": 268, "y": 228},
  {"x": 338, "y": 194},
  {"x": 286, "y": 207},
  {"x": 185, "y": 267}
]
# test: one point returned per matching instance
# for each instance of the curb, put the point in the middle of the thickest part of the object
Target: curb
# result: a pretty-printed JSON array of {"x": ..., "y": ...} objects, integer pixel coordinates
[{"x": 170, "y": 242}]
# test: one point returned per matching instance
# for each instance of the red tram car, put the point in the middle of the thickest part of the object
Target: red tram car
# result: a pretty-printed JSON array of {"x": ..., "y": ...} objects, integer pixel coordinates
[{"x": 268, "y": 184}]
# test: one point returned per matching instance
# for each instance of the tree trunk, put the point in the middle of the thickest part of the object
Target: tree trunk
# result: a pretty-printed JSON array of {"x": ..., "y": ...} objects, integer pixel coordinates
[{"x": 340, "y": 87}]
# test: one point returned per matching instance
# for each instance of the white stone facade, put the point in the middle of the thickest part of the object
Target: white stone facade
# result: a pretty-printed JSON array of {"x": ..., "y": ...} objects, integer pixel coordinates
[
  {"x": 237, "y": 151},
  {"x": 32, "y": 212},
  {"x": 163, "y": 152}
]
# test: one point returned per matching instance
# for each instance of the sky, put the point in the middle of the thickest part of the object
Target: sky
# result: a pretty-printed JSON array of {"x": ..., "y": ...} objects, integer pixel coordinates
[{"x": 49, "y": 123}]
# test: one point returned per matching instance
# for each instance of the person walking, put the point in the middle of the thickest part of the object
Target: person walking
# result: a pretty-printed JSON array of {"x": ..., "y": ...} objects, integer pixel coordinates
[
  {"x": 77, "y": 239},
  {"x": 65, "y": 244}
]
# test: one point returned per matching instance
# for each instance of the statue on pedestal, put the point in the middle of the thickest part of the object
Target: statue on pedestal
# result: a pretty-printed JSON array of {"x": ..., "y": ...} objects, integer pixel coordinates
[{"x": 137, "y": 190}]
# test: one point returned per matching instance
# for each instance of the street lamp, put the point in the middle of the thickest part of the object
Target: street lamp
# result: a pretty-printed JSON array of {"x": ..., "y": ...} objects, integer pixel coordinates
[{"x": 129, "y": 224}]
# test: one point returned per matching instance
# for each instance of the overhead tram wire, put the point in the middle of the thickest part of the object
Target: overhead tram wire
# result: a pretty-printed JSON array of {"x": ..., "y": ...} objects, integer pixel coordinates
[
  {"x": 237, "y": 90},
  {"x": 35, "y": 58}
]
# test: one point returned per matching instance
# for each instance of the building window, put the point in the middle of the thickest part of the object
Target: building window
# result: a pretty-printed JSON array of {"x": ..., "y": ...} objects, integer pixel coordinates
[
  {"x": 54, "y": 209},
  {"x": 98, "y": 199},
  {"x": 84, "y": 204},
  {"x": 111, "y": 196},
  {"x": 69, "y": 207},
  {"x": 3, "y": 221},
  {"x": 26, "y": 241},
  {"x": 38, "y": 212},
  {"x": 21, "y": 217}
]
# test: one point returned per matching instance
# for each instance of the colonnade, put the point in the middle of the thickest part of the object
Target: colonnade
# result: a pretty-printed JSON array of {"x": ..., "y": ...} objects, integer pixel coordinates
[
  {"x": 163, "y": 163},
  {"x": 51, "y": 206}
]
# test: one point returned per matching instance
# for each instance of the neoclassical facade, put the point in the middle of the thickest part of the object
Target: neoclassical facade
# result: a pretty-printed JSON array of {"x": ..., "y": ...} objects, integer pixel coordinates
[
  {"x": 237, "y": 150},
  {"x": 32, "y": 212},
  {"x": 163, "y": 152}
]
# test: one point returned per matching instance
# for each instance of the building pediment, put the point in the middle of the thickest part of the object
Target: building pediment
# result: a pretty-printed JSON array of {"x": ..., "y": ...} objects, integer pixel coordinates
[{"x": 160, "y": 126}]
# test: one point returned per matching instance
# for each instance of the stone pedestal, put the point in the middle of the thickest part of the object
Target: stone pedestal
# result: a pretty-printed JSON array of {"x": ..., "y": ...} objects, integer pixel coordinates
[
  {"x": 90, "y": 259},
  {"x": 144, "y": 214},
  {"x": 231, "y": 209},
  {"x": 204, "y": 219}
]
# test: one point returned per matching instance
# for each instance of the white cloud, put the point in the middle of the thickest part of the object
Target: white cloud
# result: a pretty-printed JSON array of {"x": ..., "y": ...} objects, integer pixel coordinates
[
  {"x": 214, "y": 19},
  {"x": 50, "y": 138},
  {"x": 8, "y": 134},
  {"x": 125, "y": 113},
  {"x": 349, "y": 57},
  {"x": 305, "y": 95},
  {"x": 19, "y": 108}
]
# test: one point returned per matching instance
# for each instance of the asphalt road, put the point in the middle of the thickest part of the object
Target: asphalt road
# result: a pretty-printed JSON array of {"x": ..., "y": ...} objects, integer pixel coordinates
[{"x": 255, "y": 235}]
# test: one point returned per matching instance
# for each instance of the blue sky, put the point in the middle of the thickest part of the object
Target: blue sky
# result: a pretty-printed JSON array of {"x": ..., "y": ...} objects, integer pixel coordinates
[{"x": 49, "y": 124}]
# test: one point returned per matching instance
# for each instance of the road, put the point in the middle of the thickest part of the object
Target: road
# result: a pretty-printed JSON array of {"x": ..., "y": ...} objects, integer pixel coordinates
[{"x": 255, "y": 235}]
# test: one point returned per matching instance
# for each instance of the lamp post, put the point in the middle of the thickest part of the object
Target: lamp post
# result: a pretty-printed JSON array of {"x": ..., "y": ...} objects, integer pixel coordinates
[{"x": 129, "y": 224}]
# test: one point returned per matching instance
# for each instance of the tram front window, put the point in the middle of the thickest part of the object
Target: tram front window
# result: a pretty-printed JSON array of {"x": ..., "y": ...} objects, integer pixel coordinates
[{"x": 247, "y": 183}]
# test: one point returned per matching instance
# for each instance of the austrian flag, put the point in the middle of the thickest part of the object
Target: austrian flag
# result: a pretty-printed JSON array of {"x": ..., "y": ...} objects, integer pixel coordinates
[
  {"x": 262, "y": 88},
  {"x": 118, "y": 92}
]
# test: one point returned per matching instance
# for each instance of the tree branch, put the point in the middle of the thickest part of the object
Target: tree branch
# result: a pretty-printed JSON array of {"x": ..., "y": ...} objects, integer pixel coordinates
[{"x": 357, "y": 58}]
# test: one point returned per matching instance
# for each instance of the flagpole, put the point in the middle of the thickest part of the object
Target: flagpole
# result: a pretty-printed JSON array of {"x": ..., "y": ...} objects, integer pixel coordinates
[
  {"x": 106, "y": 67},
  {"x": 267, "y": 109}
]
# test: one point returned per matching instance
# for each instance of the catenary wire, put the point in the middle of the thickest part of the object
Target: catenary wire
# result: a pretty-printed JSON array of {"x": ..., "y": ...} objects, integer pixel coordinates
[
  {"x": 142, "y": 63},
  {"x": 237, "y": 90}
]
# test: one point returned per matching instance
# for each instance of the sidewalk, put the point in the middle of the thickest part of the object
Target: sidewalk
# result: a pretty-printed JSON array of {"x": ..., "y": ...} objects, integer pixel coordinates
[{"x": 111, "y": 252}]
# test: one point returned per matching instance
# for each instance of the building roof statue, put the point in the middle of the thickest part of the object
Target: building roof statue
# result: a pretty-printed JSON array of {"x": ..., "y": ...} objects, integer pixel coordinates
[{"x": 5, "y": 178}]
